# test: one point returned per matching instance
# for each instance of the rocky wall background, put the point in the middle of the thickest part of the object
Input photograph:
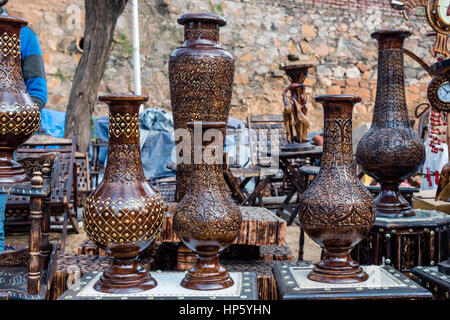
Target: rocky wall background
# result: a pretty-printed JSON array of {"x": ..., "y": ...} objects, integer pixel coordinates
[{"x": 261, "y": 34}]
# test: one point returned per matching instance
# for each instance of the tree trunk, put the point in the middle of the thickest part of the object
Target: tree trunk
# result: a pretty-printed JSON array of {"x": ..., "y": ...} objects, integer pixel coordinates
[{"x": 100, "y": 22}]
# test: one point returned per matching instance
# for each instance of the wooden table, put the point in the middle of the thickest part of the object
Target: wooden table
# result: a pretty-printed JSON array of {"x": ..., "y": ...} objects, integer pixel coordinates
[
  {"x": 425, "y": 200},
  {"x": 384, "y": 283},
  {"x": 259, "y": 227},
  {"x": 407, "y": 242},
  {"x": 430, "y": 278},
  {"x": 25, "y": 271},
  {"x": 167, "y": 288},
  {"x": 291, "y": 171}
]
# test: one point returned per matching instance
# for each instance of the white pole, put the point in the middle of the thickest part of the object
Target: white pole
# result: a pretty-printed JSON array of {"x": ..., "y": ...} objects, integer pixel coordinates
[{"x": 136, "y": 52}]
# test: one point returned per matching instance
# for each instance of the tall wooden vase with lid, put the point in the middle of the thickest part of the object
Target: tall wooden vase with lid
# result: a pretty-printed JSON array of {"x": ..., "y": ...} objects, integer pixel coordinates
[
  {"x": 201, "y": 78},
  {"x": 124, "y": 214},
  {"x": 20, "y": 117},
  {"x": 336, "y": 210},
  {"x": 207, "y": 220},
  {"x": 391, "y": 151}
]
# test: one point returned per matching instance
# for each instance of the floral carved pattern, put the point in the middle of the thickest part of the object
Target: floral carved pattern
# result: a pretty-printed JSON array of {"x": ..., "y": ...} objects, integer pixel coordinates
[
  {"x": 124, "y": 164},
  {"x": 207, "y": 212},
  {"x": 391, "y": 141},
  {"x": 201, "y": 84},
  {"x": 336, "y": 198},
  {"x": 11, "y": 79}
]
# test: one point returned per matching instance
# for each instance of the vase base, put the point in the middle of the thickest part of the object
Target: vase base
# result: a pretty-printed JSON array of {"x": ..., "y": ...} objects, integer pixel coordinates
[
  {"x": 207, "y": 282},
  {"x": 396, "y": 212},
  {"x": 354, "y": 275},
  {"x": 12, "y": 172},
  {"x": 137, "y": 279},
  {"x": 125, "y": 287}
]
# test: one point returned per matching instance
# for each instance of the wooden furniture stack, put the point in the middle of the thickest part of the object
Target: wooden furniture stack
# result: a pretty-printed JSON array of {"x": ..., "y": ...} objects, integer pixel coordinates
[{"x": 28, "y": 272}]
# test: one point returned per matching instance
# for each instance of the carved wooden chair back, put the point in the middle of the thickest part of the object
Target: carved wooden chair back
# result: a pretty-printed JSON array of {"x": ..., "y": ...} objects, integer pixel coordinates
[
  {"x": 83, "y": 178},
  {"x": 97, "y": 168},
  {"x": 61, "y": 201},
  {"x": 234, "y": 153},
  {"x": 267, "y": 133},
  {"x": 166, "y": 188},
  {"x": 19, "y": 265}
]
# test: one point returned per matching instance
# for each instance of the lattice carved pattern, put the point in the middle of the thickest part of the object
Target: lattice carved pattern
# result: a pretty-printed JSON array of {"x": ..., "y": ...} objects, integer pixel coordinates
[
  {"x": 124, "y": 124},
  {"x": 118, "y": 221},
  {"x": 19, "y": 119},
  {"x": 10, "y": 45}
]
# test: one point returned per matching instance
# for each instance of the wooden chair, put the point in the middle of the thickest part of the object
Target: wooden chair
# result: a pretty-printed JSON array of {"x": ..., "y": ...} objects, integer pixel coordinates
[
  {"x": 97, "y": 168},
  {"x": 83, "y": 177},
  {"x": 267, "y": 133},
  {"x": 27, "y": 273},
  {"x": 61, "y": 200},
  {"x": 167, "y": 187}
]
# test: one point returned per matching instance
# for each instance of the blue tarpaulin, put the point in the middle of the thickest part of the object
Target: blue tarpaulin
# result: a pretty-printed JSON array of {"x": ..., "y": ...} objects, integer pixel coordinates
[{"x": 157, "y": 138}]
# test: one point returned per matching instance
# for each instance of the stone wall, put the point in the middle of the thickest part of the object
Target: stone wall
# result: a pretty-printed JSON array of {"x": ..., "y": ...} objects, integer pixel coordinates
[{"x": 261, "y": 34}]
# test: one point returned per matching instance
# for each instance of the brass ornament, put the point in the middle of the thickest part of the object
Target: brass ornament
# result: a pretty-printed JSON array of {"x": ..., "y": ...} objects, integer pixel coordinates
[
  {"x": 10, "y": 45},
  {"x": 439, "y": 22}
]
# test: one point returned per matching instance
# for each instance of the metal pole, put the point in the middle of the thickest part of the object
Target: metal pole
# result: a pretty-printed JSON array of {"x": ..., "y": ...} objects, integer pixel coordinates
[{"x": 136, "y": 52}]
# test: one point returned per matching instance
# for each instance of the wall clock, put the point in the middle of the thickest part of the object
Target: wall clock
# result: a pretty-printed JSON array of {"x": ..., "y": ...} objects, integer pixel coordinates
[
  {"x": 438, "y": 15},
  {"x": 439, "y": 87}
]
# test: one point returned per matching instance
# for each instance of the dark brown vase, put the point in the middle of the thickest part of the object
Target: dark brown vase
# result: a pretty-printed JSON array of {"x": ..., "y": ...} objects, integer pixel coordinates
[
  {"x": 298, "y": 124},
  {"x": 207, "y": 220},
  {"x": 123, "y": 215},
  {"x": 201, "y": 78},
  {"x": 20, "y": 117},
  {"x": 391, "y": 151},
  {"x": 336, "y": 210}
]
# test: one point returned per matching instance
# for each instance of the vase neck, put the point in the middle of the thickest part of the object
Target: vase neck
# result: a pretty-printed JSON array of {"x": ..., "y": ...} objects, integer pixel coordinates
[
  {"x": 337, "y": 147},
  {"x": 201, "y": 33},
  {"x": 123, "y": 124},
  {"x": 124, "y": 164},
  {"x": 390, "y": 104},
  {"x": 11, "y": 78}
]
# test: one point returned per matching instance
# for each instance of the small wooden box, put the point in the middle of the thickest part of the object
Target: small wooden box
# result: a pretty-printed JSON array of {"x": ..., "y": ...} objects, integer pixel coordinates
[
  {"x": 168, "y": 288},
  {"x": 438, "y": 283},
  {"x": 384, "y": 283}
]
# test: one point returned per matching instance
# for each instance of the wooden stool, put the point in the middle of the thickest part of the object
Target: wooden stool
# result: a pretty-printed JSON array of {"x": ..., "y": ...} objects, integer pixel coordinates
[
  {"x": 267, "y": 286},
  {"x": 437, "y": 283},
  {"x": 74, "y": 266},
  {"x": 406, "y": 242}
]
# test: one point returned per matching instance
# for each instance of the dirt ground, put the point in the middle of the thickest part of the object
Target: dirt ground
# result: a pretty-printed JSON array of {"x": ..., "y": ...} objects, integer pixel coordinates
[{"x": 311, "y": 249}]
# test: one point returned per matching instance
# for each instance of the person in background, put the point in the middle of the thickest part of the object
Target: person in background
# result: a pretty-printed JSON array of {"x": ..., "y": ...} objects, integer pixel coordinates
[
  {"x": 32, "y": 63},
  {"x": 33, "y": 72}
]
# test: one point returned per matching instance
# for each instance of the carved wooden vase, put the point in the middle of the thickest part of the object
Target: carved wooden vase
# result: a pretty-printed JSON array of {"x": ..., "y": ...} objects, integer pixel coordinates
[
  {"x": 336, "y": 210},
  {"x": 207, "y": 220},
  {"x": 124, "y": 214},
  {"x": 201, "y": 79},
  {"x": 20, "y": 117},
  {"x": 391, "y": 151}
]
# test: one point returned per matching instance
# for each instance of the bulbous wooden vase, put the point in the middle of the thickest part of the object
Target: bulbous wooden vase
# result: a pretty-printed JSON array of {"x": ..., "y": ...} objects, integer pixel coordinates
[
  {"x": 20, "y": 117},
  {"x": 207, "y": 220},
  {"x": 391, "y": 151},
  {"x": 124, "y": 214},
  {"x": 336, "y": 210},
  {"x": 201, "y": 79}
]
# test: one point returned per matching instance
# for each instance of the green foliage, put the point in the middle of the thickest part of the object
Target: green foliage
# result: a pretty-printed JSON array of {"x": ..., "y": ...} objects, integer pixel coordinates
[
  {"x": 124, "y": 43},
  {"x": 60, "y": 75},
  {"x": 216, "y": 9}
]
